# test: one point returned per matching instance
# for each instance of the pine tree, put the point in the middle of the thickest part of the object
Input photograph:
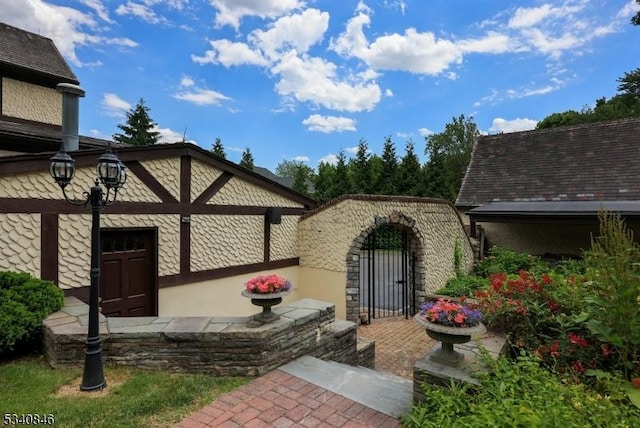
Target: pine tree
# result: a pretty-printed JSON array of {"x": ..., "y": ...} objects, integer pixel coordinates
[
  {"x": 138, "y": 130},
  {"x": 386, "y": 183},
  {"x": 218, "y": 149},
  {"x": 341, "y": 185},
  {"x": 360, "y": 170},
  {"x": 410, "y": 177},
  {"x": 247, "y": 159}
]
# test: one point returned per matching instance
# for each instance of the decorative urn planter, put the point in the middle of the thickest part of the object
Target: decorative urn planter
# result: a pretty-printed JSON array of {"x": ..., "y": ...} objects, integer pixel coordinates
[
  {"x": 265, "y": 301},
  {"x": 448, "y": 336}
]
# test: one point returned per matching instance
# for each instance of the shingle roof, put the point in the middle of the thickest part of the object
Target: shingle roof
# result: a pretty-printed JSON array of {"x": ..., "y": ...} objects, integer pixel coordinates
[
  {"x": 29, "y": 52},
  {"x": 589, "y": 162}
]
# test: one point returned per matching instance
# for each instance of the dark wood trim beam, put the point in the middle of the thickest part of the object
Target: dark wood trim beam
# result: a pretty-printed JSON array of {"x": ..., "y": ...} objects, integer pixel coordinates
[
  {"x": 59, "y": 206},
  {"x": 49, "y": 247},
  {"x": 81, "y": 293},
  {"x": 206, "y": 275},
  {"x": 185, "y": 220},
  {"x": 267, "y": 239},
  {"x": 150, "y": 181},
  {"x": 217, "y": 184}
]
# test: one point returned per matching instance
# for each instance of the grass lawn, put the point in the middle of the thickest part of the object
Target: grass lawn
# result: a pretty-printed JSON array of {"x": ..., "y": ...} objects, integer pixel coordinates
[{"x": 133, "y": 398}]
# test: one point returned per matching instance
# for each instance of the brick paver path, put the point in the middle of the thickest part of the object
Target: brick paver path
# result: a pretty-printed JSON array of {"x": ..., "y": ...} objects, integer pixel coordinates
[
  {"x": 279, "y": 399},
  {"x": 400, "y": 343}
]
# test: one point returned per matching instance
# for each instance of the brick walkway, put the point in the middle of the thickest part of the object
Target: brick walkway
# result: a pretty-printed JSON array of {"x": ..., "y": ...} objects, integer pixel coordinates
[
  {"x": 400, "y": 343},
  {"x": 278, "y": 399}
]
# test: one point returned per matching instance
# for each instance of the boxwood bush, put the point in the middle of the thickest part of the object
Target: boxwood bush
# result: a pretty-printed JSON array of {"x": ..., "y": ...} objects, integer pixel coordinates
[{"x": 25, "y": 301}]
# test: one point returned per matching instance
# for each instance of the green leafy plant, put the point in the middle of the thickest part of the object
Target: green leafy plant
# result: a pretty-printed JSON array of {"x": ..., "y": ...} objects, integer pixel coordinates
[
  {"x": 613, "y": 311},
  {"x": 505, "y": 260},
  {"x": 464, "y": 286},
  {"x": 24, "y": 302},
  {"x": 521, "y": 394}
]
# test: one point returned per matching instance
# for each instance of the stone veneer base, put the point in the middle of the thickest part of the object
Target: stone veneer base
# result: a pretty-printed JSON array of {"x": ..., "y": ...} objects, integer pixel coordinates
[{"x": 219, "y": 346}]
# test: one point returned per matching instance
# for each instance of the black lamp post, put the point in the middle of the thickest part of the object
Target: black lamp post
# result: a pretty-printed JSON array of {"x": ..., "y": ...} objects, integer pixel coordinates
[{"x": 112, "y": 174}]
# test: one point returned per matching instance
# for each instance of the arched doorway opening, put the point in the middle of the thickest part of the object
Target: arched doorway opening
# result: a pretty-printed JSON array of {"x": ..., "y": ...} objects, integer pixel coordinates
[{"x": 385, "y": 270}]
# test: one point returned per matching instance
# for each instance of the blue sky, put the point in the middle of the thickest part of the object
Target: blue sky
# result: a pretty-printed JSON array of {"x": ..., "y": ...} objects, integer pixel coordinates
[{"x": 302, "y": 80}]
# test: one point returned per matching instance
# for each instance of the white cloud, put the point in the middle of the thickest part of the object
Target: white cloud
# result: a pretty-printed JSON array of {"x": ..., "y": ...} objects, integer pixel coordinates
[
  {"x": 301, "y": 158},
  {"x": 425, "y": 132},
  {"x": 331, "y": 159},
  {"x": 502, "y": 125},
  {"x": 528, "y": 17},
  {"x": 231, "y": 12},
  {"x": 413, "y": 51},
  {"x": 168, "y": 136},
  {"x": 68, "y": 28},
  {"x": 351, "y": 150},
  {"x": 314, "y": 80},
  {"x": 388, "y": 93},
  {"x": 628, "y": 10},
  {"x": 229, "y": 53},
  {"x": 492, "y": 43},
  {"x": 186, "y": 81},
  {"x": 299, "y": 32},
  {"x": 99, "y": 9},
  {"x": 141, "y": 11},
  {"x": 328, "y": 124},
  {"x": 114, "y": 106},
  {"x": 201, "y": 96}
]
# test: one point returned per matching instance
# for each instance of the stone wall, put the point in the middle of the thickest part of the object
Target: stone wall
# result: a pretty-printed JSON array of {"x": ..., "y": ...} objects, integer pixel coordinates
[{"x": 220, "y": 346}]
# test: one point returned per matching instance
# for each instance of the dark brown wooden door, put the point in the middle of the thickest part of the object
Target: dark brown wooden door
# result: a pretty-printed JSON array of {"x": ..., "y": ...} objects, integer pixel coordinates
[{"x": 128, "y": 273}]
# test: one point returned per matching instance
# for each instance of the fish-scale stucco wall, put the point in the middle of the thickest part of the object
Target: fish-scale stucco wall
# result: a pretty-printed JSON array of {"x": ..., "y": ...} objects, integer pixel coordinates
[
  {"x": 240, "y": 192},
  {"x": 202, "y": 175},
  {"x": 324, "y": 238},
  {"x": 284, "y": 239},
  {"x": 219, "y": 241},
  {"x": 167, "y": 172},
  {"x": 40, "y": 185},
  {"x": 31, "y": 102},
  {"x": 20, "y": 243},
  {"x": 74, "y": 243}
]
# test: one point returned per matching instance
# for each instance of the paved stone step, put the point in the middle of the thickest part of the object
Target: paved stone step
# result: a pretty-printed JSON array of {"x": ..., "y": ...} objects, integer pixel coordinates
[{"x": 384, "y": 392}]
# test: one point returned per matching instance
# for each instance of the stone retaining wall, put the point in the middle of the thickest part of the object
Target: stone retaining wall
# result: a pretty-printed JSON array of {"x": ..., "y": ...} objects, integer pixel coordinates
[{"x": 220, "y": 346}]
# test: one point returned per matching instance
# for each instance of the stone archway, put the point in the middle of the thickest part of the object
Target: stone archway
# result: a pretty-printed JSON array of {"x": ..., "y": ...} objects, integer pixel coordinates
[{"x": 415, "y": 246}]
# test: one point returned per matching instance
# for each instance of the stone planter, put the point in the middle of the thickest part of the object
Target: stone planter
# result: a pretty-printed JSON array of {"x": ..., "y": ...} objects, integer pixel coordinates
[
  {"x": 448, "y": 336},
  {"x": 265, "y": 301}
]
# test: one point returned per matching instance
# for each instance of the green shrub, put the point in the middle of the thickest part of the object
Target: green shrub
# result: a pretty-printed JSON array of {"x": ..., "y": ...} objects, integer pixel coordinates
[
  {"x": 24, "y": 302},
  {"x": 505, "y": 260},
  {"x": 522, "y": 394},
  {"x": 613, "y": 311},
  {"x": 464, "y": 286}
]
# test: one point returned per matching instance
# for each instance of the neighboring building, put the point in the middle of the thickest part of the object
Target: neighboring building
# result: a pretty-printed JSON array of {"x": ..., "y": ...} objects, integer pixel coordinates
[
  {"x": 540, "y": 191},
  {"x": 188, "y": 228}
]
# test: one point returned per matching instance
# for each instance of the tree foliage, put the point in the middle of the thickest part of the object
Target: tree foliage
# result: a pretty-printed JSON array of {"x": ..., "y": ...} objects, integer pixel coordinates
[
  {"x": 301, "y": 174},
  {"x": 635, "y": 20},
  {"x": 138, "y": 129},
  {"x": 246, "y": 160},
  {"x": 625, "y": 104},
  {"x": 218, "y": 149}
]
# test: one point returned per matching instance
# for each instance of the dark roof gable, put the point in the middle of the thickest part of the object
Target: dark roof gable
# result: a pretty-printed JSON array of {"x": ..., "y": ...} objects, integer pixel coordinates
[
  {"x": 589, "y": 162},
  {"x": 26, "y": 54}
]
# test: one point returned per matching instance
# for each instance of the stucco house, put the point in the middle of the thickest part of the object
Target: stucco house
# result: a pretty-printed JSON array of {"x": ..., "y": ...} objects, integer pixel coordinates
[
  {"x": 540, "y": 191},
  {"x": 188, "y": 228}
]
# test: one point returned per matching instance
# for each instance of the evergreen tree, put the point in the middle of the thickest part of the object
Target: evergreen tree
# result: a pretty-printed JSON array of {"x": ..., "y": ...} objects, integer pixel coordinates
[
  {"x": 247, "y": 159},
  {"x": 410, "y": 173},
  {"x": 301, "y": 181},
  {"x": 635, "y": 20},
  {"x": 360, "y": 170},
  {"x": 138, "y": 129},
  {"x": 324, "y": 182},
  {"x": 218, "y": 149},
  {"x": 386, "y": 182},
  {"x": 341, "y": 185}
]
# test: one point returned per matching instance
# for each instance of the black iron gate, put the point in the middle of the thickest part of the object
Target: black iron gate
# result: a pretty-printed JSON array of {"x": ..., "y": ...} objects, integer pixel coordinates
[{"x": 386, "y": 268}]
